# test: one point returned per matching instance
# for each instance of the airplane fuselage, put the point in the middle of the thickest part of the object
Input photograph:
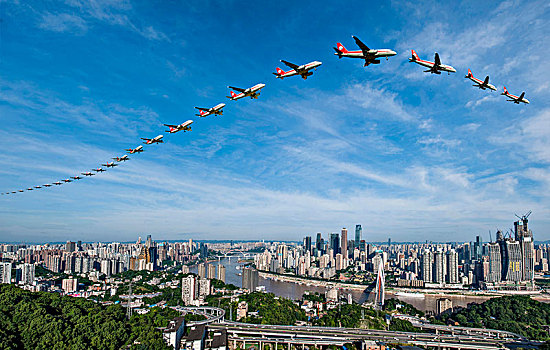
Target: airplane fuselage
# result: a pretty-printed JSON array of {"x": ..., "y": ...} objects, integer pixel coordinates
[
  {"x": 428, "y": 64},
  {"x": 303, "y": 70},
  {"x": 370, "y": 53},
  {"x": 250, "y": 92},
  {"x": 516, "y": 99},
  {"x": 481, "y": 84}
]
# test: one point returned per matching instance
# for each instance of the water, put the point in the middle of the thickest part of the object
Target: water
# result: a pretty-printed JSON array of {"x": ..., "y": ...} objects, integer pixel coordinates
[{"x": 295, "y": 291}]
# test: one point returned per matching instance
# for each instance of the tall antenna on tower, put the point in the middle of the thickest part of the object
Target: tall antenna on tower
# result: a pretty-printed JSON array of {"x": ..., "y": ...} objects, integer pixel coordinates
[{"x": 129, "y": 302}]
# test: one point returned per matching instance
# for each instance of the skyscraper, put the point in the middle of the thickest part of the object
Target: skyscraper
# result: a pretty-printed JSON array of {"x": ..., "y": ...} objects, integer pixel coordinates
[
  {"x": 307, "y": 243},
  {"x": 221, "y": 273},
  {"x": 495, "y": 264},
  {"x": 439, "y": 268},
  {"x": 344, "y": 243},
  {"x": 427, "y": 266},
  {"x": 318, "y": 242},
  {"x": 358, "y": 231},
  {"x": 189, "y": 290},
  {"x": 250, "y": 279},
  {"x": 525, "y": 238},
  {"x": 334, "y": 244},
  {"x": 27, "y": 273},
  {"x": 452, "y": 266}
]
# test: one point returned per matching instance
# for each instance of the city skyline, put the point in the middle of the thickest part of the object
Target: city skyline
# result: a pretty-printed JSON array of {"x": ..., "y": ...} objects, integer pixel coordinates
[{"x": 408, "y": 155}]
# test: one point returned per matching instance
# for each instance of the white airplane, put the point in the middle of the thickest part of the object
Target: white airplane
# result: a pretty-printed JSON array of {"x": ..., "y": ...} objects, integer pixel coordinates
[
  {"x": 369, "y": 55},
  {"x": 57, "y": 183},
  {"x": 110, "y": 165},
  {"x": 21, "y": 191},
  {"x": 99, "y": 170},
  {"x": 514, "y": 98},
  {"x": 479, "y": 83},
  {"x": 205, "y": 112},
  {"x": 181, "y": 127},
  {"x": 252, "y": 92},
  {"x": 67, "y": 180},
  {"x": 37, "y": 186},
  {"x": 29, "y": 189},
  {"x": 47, "y": 185},
  {"x": 138, "y": 149},
  {"x": 157, "y": 139},
  {"x": 435, "y": 67},
  {"x": 303, "y": 70},
  {"x": 121, "y": 159},
  {"x": 76, "y": 177},
  {"x": 88, "y": 173},
  {"x": 13, "y": 192}
]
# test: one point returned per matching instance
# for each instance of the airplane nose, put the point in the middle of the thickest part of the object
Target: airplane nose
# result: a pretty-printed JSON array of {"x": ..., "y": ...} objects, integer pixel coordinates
[{"x": 393, "y": 53}]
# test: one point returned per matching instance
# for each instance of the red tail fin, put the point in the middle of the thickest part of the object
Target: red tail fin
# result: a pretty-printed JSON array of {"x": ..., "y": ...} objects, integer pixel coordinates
[
  {"x": 280, "y": 71},
  {"x": 233, "y": 94},
  {"x": 414, "y": 55},
  {"x": 341, "y": 48},
  {"x": 505, "y": 91},
  {"x": 202, "y": 112},
  {"x": 469, "y": 72}
]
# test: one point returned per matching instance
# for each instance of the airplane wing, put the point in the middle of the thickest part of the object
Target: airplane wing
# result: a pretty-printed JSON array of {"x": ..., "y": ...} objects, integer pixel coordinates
[
  {"x": 437, "y": 61},
  {"x": 170, "y": 125},
  {"x": 361, "y": 45},
  {"x": 521, "y": 96},
  {"x": 291, "y": 65},
  {"x": 486, "y": 81},
  {"x": 202, "y": 109},
  {"x": 237, "y": 89}
]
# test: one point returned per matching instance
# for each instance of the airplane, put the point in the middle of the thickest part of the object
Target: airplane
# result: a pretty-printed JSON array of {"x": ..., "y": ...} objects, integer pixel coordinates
[
  {"x": 88, "y": 173},
  {"x": 67, "y": 180},
  {"x": 47, "y": 185},
  {"x": 99, "y": 170},
  {"x": 514, "y": 98},
  {"x": 121, "y": 159},
  {"x": 76, "y": 177},
  {"x": 13, "y": 192},
  {"x": 138, "y": 149},
  {"x": 303, "y": 70},
  {"x": 29, "y": 189},
  {"x": 205, "y": 112},
  {"x": 479, "y": 83},
  {"x": 369, "y": 55},
  {"x": 37, "y": 186},
  {"x": 157, "y": 139},
  {"x": 181, "y": 127},
  {"x": 21, "y": 191},
  {"x": 435, "y": 67},
  {"x": 57, "y": 183},
  {"x": 252, "y": 92},
  {"x": 110, "y": 165}
]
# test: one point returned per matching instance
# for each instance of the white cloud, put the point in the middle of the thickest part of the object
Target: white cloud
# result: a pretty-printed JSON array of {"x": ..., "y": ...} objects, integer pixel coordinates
[{"x": 63, "y": 22}]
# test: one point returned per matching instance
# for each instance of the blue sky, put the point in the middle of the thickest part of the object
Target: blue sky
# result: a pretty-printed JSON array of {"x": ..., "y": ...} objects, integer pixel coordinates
[{"x": 409, "y": 155}]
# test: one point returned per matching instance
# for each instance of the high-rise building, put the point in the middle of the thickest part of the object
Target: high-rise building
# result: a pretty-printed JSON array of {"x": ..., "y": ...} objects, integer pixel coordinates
[
  {"x": 439, "y": 268},
  {"x": 358, "y": 231},
  {"x": 27, "y": 273},
  {"x": 5, "y": 273},
  {"x": 201, "y": 270},
  {"x": 211, "y": 274},
  {"x": 494, "y": 274},
  {"x": 525, "y": 238},
  {"x": 452, "y": 266},
  {"x": 221, "y": 273},
  {"x": 203, "y": 250},
  {"x": 250, "y": 279},
  {"x": 318, "y": 243},
  {"x": 69, "y": 285},
  {"x": 334, "y": 243},
  {"x": 307, "y": 243},
  {"x": 204, "y": 288},
  {"x": 478, "y": 248},
  {"x": 511, "y": 261},
  {"x": 189, "y": 290},
  {"x": 70, "y": 246},
  {"x": 344, "y": 243},
  {"x": 427, "y": 266}
]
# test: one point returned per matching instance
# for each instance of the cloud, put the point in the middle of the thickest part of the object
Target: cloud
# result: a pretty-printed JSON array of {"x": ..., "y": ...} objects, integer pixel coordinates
[
  {"x": 63, "y": 22},
  {"x": 485, "y": 99}
]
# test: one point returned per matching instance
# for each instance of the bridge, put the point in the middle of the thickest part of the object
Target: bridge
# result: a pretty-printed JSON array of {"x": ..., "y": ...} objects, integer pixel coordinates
[
  {"x": 236, "y": 253},
  {"x": 212, "y": 314},
  {"x": 298, "y": 337}
]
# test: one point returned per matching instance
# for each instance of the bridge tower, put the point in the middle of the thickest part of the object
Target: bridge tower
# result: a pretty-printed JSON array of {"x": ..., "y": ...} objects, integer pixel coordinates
[{"x": 380, "y": 289}]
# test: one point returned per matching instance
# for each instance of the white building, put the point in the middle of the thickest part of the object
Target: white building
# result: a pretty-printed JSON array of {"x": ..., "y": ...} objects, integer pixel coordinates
[{"x": 5, "y": 273}]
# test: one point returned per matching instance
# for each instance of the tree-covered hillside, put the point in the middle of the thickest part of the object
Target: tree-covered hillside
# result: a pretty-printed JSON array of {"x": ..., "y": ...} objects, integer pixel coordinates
[
  {"x": 49, "y": 321},
  {"x": 518, "y": 314}
]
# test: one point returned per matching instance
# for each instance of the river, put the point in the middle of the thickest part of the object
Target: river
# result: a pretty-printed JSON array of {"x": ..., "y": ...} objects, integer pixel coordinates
[{"x": 295, "y": 291}]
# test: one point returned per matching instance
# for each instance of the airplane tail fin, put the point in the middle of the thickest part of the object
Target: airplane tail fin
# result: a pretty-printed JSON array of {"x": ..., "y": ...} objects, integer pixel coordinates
[
  {"x": 505, "y": 91},
  {"x": 469, "y": 75},
  {"x": 341, "y": 48},
  {"x": 414, "y": 56},
  {"x": 280, "y": 71}
]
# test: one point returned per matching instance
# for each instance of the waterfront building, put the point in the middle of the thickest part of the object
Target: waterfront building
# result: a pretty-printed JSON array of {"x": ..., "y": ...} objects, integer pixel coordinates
[
  {"x": 439, "y": 268},
  {"x": 494, "y": 274},
  {"x": 452, "y": 267},
  {"x": 221, "y": 273},
  {"x": 444, "y": 304},
  {"x": 427, "y": 266},
  {"x": 250, "y": 279},
  {"x": 211, "y": 272},
  {"x": 201, "y": 270},
  {"x": 525, "y": 238}
]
